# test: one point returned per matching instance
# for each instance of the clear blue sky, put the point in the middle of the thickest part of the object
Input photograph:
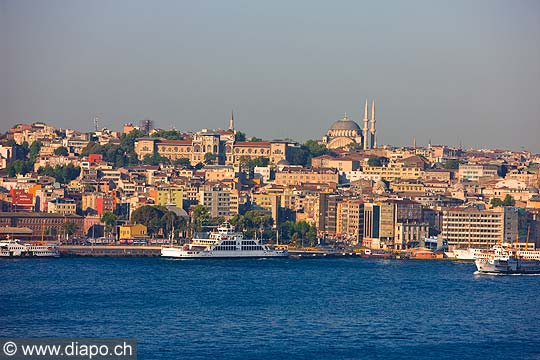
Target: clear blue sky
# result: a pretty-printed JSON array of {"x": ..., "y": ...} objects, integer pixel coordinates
[{"x": 445, "y": 70}]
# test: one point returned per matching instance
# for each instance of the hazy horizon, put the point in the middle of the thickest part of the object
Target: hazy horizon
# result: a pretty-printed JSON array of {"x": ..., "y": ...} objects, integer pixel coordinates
[{"x": 449, "y": 71}]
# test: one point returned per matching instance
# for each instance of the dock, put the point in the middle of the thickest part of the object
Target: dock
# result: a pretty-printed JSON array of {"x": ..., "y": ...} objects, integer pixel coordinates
[
  {"x": 155, "y": 251},
  {"x": 110, "y": 250},
  {"x": 151, "y": 251}
]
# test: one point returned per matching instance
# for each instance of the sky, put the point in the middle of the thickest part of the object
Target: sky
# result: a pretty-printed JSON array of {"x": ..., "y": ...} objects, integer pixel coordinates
[{"x": 447, "y": 71}]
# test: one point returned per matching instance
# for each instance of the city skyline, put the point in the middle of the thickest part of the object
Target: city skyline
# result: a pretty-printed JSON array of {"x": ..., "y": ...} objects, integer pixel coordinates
[{"x": 472, "y": 79}]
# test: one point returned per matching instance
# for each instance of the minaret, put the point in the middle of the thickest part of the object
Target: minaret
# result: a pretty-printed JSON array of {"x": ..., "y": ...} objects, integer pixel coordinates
[
  {"x": 231, "y": 122},
  {"x": 372, "y": 130},
  {"x": 365, "y": 130}
]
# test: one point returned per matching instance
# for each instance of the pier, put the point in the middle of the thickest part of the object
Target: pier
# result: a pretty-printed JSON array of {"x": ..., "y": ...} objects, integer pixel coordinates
[
  {"x": 152, "y": 251},
  {"x": 110, "y": 250}
]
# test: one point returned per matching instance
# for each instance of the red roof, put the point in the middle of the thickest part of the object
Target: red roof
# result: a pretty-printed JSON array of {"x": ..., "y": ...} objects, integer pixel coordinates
[
  {"x": 253, "y": 143},
  {"x": 175, "y": 142}
]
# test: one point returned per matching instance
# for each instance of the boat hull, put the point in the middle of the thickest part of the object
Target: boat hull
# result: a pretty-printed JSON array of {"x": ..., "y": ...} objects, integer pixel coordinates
[
  {"x": 511, "y": 266},
  {"x": 17, "y": 250},
  {"x": 183, "y": 254},
  {"x": 469, "y": 254}
]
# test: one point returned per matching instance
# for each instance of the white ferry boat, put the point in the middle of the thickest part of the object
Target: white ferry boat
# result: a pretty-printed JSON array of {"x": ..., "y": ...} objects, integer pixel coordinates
[
  {"x": 468, "y": 254},
  {"x": 223, "y": 243},
  {"x": 14, "y": 248},
  {"x": 503, "y": 259}
]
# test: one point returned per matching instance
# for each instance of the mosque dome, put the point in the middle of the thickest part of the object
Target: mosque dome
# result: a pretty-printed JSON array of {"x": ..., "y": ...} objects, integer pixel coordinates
[{"x": 345, "y": 124}]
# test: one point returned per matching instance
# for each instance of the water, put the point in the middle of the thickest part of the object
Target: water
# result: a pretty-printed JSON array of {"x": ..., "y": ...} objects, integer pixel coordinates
[{"x": 275, "y": 309}]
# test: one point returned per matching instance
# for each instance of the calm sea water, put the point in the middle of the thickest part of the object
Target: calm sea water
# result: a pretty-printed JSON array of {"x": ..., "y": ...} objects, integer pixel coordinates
[{"x": 276, "y": 309}]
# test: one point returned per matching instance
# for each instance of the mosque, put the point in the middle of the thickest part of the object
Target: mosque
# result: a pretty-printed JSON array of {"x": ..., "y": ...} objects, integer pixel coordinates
[{"x": 347, "y": 133}]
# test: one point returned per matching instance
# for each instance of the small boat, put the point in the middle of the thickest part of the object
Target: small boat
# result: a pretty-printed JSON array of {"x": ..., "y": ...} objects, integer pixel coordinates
[{"x": 369, "y": 253}]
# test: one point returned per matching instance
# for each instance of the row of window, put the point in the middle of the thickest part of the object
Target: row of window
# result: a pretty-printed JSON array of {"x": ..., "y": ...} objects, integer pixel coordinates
[
  {"x": 225, "y": 248},
  {"x": 40, "y": 221},
  {"x": 251, "y": 248},
  {"x": 208, "y": 148}
]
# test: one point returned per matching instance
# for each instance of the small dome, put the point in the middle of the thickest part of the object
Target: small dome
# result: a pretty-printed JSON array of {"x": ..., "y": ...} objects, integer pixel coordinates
[
  {"x": 177, "y": 210},
  {"x": 345, "y": 124}
]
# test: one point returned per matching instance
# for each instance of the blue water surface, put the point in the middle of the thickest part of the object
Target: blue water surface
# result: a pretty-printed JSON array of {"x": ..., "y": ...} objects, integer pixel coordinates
[{"x": 344, "y": 308}]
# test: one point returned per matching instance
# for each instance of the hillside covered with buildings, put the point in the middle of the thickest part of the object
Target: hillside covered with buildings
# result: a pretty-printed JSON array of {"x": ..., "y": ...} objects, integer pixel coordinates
[{"x": 65, "y": 184}]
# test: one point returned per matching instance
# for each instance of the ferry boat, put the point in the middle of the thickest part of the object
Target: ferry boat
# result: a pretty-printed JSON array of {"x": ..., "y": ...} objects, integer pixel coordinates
[
  {"x": 14, "y": 248},
  {"x": 468, "y": 254},
  {"x": 503, "y": 259},
  {"x": 225, "y": 242}
]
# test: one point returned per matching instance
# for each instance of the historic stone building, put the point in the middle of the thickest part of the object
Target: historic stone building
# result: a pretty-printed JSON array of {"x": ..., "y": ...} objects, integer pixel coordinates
[
  {"x": 219, "y": 143},
  {"x": 347, "y": 133}
]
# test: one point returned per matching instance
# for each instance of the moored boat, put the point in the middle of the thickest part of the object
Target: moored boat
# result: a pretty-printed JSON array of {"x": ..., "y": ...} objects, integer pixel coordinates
[
  {"x": 14, "y": 249},
  {"x": 468, "y": 254},
  {"x": 225, "y": 242},
  {"x": 369, "y": 253},
  {"x": 504, "y": 259}
]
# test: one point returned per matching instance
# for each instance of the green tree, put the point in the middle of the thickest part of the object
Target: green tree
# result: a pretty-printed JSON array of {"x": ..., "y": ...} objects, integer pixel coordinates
[
  {"x": 171, "y": 222},
  {"x": 34, "y": 149},
  {"x": 149, "y": 216},
  {"x": 21, "y": 167},
  {"x": 51, "y": 231},
  {"x": 183, "y": 162},
  {"x": 158, "y": 220},
  {"x": 315, "y": 149},
  {"x": 253, "y": 221},
  {"x": 301, "y": 233},
  {"x": 119, "y": 155},
  {"x": 61, "y": 151},
  {"x": 24, "y": 149},
  {"x": 300, "y": 156},
  {"x": 451, "y": 164},
  {"x": 154, "y": 159},
  {"x": 248, "y": 164},
  {"x": 502, "y": 170},
  {"x": 63, "y": 174},
  {"x": 311, "y": 236},
  {"x": 508, "y": 201},
  {"x": 209, "y": 158},
  {"x": 69, "y": 228},
  {"x": 199, "y": 216},
  {"x": 127, "y": 144},
  {"x": 10, "y": 170},
  {"x": 239, "y": 136},
  {"x": 109, "y": 219},
  {"x": 375, "y": 161},
  {"x": 92, "y": 148},
  {"x": 12, "y": 143},
  {"x": 302, "y": 228},
  {"x": 495, "y": 202},
  {"x": 168, "y": 134}
]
